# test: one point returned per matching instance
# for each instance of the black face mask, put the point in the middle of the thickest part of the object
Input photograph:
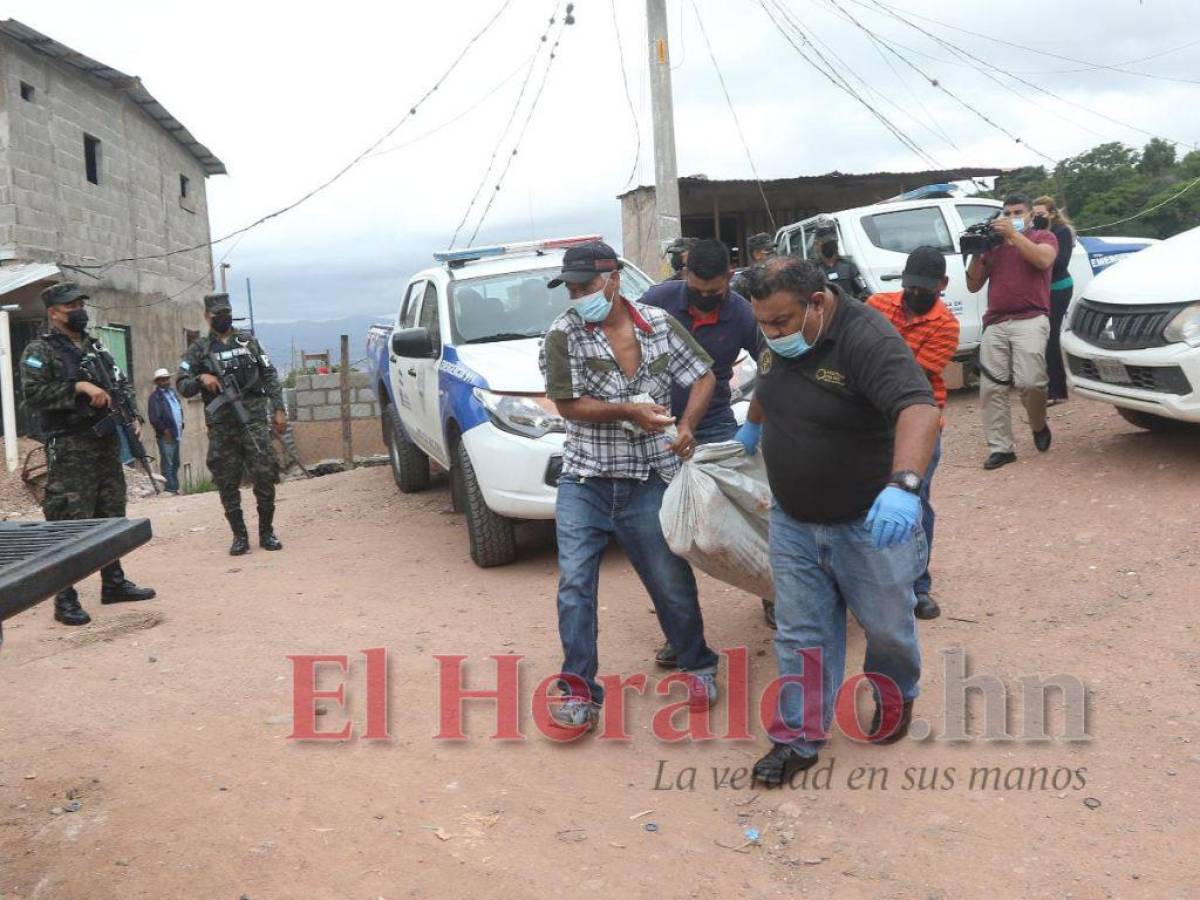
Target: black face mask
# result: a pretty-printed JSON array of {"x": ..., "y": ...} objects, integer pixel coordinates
[
  {"x": 77, "y": 320},
  {"x": 222, "y": 321},
  {"x": 1041, "y": 222},
  {"x": 829, "y": 248},
  {"x": 920, "y": 302},
  {"x": 704, "y": 303}
]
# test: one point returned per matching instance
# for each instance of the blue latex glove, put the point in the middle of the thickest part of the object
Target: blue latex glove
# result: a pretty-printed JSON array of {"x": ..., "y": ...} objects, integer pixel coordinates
[
  {"x": 748, "y": 436},
  {"x": 894, "y": 517}
]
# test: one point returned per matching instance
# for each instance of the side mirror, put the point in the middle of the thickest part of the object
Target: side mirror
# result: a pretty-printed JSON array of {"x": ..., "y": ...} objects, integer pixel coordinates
[{"x": 413, "y": 343}]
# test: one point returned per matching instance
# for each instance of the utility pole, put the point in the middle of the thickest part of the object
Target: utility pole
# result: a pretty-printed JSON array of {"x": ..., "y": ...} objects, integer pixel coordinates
[
  {"x": 666, "y": 173},
  {"x": 224, "y": 268},
  {"x": 250, "y": 303},
  {"x": 7, "y": 392}
]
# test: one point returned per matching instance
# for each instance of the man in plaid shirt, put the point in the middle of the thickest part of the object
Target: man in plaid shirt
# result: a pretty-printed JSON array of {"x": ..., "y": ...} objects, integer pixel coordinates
[
  {"x": 601, "y": 359},
  {"x": 931, "y": 332}
]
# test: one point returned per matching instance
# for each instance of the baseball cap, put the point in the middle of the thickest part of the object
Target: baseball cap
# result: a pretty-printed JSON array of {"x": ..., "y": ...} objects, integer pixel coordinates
[
  {"x": 583, "y": 263},
  {"x": 925, "y": 269},
  {"x": 761, "y": 241},
  {"x": 824, "y": 225},
  {"x": 213, "y": 302},
  {"x": 161, "y": 373},
  {"x": 65, "y": 292}
]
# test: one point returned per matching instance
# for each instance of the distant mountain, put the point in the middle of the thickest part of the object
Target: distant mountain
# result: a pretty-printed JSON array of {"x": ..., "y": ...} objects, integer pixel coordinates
[{"x": 282, "y": 339}]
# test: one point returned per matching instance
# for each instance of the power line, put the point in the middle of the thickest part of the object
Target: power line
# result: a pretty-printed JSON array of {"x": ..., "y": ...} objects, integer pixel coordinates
[
  {"x": 1088, "y": 66},
  {"x": 936, "y": 83},
  {"x": 830, "y": 74},
  {"x": 512, "y": 116},
  {"x": 966, "y": 53},
  {"x": 733, "y": 113},
  {"x": 1191, "y": 184},
  {"x": 103, "y": 267},
  {"x": 567, "y": 20},
  {"x": 637, "y": 128}
]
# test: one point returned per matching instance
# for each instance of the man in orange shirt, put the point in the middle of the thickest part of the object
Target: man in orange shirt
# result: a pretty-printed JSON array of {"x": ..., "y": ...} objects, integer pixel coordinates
[{"x": 931, "y": 332}]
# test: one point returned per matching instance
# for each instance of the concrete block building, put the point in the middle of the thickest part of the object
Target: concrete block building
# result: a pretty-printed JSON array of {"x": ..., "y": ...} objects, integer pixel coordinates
[{"x": 98, "y": 184}]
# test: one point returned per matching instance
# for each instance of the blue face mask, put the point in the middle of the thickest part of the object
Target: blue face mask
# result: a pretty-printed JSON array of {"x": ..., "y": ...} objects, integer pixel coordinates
[
  {"x": 1018, "y": 224},
  {"x": 794, "y": 345},
  {"x": 595, "y": 307}
]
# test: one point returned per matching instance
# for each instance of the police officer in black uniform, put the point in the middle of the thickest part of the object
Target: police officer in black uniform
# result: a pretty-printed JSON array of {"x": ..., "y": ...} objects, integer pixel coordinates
[{"x": 839, "y": 270}]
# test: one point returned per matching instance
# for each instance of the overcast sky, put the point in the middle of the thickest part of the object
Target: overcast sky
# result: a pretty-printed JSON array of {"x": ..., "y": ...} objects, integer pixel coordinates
[{"x": 285, "y": 94}]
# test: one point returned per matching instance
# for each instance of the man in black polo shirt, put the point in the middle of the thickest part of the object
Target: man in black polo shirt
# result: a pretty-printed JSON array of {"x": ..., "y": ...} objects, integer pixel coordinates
[{"x": 848, "y": 424}]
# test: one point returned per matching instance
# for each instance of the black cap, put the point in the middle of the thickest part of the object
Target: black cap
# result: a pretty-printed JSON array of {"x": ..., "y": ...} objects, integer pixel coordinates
[
  {"x": 762, "y": 241},
  {"x": 583, "y": 263},
  {"x": 213, "y": 302},
  {"x": 925, "y": 269},
  {"x": 66, "y": 292},
  {"x": 680, "y": 245}
]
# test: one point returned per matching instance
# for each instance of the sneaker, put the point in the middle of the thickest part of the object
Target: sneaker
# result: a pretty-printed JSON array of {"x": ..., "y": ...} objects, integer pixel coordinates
[
  {"x": 702, "y": 691},
  {"x": 575, "y": 712},
  {"x": 665, "y": 658}
]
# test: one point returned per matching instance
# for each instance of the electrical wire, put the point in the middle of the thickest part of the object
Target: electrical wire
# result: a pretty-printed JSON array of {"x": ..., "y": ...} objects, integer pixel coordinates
[
  {"x": 512, "y": 116},
  {"x": 567, "y": 20},
  {"x": 1191, "y": 184},
  {"x": 1088, "y": 66},
  {"x": 1036, "y": 87},
  {"x": 829, "y": 73},
  {"x": 103, "y": 267},
  {"x": 637, "y": 128},
  {"x": 733, "y": 114}
]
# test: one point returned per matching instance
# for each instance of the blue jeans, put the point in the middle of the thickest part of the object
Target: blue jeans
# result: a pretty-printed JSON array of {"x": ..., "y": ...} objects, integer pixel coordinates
[
  {"x": 717, "y": 432},
  {"x": 925, "y": 583},
  {"x": 168, "y": 461},
  {"x": 589, "y": 512},
  {"x": 820, "y": 572}
]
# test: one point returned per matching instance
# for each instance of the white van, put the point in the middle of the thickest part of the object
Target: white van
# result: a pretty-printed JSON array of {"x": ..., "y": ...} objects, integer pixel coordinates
[
  {"x": 1133, "y": 336},
  {"x": 879, "y": 238}
]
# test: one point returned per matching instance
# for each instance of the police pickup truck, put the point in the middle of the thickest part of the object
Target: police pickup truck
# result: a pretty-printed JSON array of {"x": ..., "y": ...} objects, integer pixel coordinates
[
  {"x": 458, "y": 383},
  {"x": 880, "y": 237}
]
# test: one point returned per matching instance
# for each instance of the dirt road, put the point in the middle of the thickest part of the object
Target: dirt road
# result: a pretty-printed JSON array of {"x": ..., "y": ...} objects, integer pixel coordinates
[{"x": 172, "y": 739}]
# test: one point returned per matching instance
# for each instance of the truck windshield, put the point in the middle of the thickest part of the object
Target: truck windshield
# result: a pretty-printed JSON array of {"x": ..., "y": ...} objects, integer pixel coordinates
[{"x": 517, "y": 305}]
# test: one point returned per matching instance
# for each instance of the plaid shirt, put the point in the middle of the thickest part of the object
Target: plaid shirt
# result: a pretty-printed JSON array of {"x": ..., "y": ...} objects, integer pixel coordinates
[{"x": 577, "y": 361}]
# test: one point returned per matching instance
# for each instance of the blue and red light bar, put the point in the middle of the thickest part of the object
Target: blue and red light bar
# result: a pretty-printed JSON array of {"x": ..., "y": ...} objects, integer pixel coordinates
[{"x": 460, "y": 256}]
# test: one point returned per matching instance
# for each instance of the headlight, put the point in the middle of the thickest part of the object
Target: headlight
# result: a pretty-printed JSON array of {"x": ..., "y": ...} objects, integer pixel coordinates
[
  {"x": 527, "y": 416},
  {"x": 1185, "y": 327}
]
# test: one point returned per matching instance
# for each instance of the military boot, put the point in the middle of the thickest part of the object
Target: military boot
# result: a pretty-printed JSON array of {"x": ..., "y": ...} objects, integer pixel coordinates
[
  {"x": 266, "y": 534},
  {"x": 67, "y": 609},
  {"x": 116, "y": 588},
  {"x": 241, "y": 539}
]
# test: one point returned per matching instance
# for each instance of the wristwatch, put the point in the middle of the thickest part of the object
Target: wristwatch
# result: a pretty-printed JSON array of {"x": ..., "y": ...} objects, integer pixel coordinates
[{"x": 908, "y": 481}]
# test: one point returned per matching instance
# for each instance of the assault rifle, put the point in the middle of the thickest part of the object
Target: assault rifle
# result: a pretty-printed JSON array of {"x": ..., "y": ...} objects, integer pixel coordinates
[
  {"x": 122, "y": 415},
  {"x": 231, "y": 395}
]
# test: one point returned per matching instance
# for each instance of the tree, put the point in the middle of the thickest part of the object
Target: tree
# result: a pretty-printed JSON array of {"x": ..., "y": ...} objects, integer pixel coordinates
[{"x": 1158, "y": 157}]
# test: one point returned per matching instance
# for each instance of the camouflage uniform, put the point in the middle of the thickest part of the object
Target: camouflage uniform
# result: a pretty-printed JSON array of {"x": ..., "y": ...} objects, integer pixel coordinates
[
  {"x": 85, "y": 479},
  {"x": 232, "y": 449}
]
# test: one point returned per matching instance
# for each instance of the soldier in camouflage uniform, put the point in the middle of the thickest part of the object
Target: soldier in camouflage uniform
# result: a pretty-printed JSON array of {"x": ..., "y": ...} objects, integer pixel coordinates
[
  {"x": 86, "y": 479},
  {"x": 235, "y": 448}
]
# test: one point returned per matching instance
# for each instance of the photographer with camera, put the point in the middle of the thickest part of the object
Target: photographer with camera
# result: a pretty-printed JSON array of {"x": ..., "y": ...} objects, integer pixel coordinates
[{"x": 1016, "y": 270}]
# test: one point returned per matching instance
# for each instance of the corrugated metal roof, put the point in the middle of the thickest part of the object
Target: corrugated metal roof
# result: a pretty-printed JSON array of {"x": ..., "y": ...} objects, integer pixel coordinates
[
  {"x": 930, "y": 175},
  {"x": 129, "y": 85},
  {"x": 15, "y": 277}
]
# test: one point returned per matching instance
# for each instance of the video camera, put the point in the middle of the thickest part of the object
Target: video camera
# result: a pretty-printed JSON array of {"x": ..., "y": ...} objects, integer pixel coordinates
[{"x": 980, "y": 237}]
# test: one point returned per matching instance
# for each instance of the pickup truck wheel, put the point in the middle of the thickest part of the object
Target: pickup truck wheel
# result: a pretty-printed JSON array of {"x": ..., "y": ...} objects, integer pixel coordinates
[
  {"x": 1146, "y": 420},
  {"x": 410, "y": 467},
  {"x": 493, "y": 537}
]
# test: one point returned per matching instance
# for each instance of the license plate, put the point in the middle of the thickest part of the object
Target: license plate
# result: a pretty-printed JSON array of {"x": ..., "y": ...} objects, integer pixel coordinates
[{"x": 1112, "y": 372}]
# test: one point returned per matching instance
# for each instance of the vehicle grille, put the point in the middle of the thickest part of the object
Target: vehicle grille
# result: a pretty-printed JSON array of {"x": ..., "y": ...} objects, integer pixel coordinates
[
  {"x": 1161, "y": 379},
  {"x": 1122, "y": 327},
  {"x": 553, "y": 470}
]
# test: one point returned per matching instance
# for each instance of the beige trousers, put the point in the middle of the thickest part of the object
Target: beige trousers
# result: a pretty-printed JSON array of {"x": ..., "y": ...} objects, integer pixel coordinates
[{"x": 1015, "y": 352}]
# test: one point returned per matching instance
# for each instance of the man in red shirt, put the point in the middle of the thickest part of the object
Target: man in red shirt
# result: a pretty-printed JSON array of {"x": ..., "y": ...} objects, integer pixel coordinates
[
  {"x": 1016, "y": 327},
  {"x": 931, "y": 332}
]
